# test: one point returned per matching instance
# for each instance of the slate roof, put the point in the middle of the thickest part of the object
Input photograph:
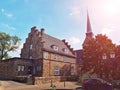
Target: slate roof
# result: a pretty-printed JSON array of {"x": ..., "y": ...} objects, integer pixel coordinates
[{"x": 61, "y": 44}]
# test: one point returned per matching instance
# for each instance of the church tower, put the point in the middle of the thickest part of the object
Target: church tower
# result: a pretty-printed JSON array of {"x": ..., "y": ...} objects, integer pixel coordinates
[{"x": 89, "y": 33}]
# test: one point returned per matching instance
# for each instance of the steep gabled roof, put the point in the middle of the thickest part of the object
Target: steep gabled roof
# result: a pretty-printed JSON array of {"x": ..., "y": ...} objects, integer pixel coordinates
[{"x": 49, "y": 41}]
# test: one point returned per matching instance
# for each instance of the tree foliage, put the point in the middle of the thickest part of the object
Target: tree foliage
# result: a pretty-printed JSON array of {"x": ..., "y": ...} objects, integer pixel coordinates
[
  {"x": 93, "y": 53},
  {"x": 7, "y": 43}
]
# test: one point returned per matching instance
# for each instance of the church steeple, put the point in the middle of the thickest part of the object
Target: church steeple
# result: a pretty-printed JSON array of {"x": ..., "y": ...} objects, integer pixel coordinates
[
  {"x": 89, "y": 33},
  {"x": 89, "y": 29}
]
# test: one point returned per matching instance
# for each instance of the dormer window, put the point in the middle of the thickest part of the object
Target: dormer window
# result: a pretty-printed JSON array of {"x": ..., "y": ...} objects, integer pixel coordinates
[
  {"x": 54, "y": 47},
  {"x": 65, "y": 50}
]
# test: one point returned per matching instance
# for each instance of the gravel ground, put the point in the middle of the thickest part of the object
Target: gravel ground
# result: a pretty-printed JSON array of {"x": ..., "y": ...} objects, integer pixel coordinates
[{"x": 11, "y": 85}]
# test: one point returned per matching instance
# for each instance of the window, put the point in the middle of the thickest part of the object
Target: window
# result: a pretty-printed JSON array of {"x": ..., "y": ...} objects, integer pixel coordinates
[
  {"x": 65, "y": 50},
  {"x": 30, "y": 57},
  {"x": 38, "y": 68},
  {"x": 56, "y": 70},
  {"x": 21, "y": 68},
  {"x": 72, "y": 71},
  {"x": 31, "y": 46},
  {"x": 56, "y": 57},
  {"x": 72, "y": 61},
  {"x": 46, "y": 55},
  {"x": 104, "y": 56},
  {"x": 65, "y": 59},
  {"x": 54, "y": 47},
  {"x": 112, "y": 55}
]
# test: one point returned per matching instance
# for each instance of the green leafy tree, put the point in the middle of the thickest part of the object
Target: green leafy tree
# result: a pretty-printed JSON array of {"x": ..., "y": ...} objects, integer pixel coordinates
[
  {"x": 96, "y": 56},
  {"x": 7, "y": 43},
  {"x": 116, "y": 67}
]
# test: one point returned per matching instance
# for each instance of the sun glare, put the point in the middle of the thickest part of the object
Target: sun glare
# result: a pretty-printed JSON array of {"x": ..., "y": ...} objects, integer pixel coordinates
[{"x": 112, "y": 6}]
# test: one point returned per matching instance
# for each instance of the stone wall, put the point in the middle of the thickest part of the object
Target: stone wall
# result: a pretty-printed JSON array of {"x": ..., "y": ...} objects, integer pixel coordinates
[
  {"x": 9, "y": 68},
  {"x": 44, "y": 80},
  {"x": 32, "y": 48},
  {"x": 65, "y": 67}
]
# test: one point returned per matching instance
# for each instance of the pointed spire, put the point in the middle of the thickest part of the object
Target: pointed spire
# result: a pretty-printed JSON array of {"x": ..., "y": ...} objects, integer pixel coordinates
[
  {"x": 89, "y": 33},
  {"x": 89, "y": 29}
]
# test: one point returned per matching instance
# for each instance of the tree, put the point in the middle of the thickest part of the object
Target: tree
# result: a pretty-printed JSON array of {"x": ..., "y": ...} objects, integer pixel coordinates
[
  {"x": 116, "y": 67},
  {"x": 7, "y": 43},
  {"x": 96, "y": 56}
]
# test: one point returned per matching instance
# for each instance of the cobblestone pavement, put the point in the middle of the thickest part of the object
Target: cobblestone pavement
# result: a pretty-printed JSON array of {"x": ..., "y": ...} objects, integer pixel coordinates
[{"x": 11, "y": 85}]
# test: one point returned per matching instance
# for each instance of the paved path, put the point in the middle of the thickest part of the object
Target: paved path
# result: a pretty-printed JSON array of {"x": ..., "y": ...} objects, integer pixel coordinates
[{"x": 11, "y": 85}]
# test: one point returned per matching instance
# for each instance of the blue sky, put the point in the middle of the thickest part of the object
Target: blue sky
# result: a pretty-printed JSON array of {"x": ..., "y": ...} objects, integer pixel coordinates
[{"x": 63, "y": 19}]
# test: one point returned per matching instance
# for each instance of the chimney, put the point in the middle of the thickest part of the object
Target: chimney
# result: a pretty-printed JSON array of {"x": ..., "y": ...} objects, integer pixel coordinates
[
  {"x": 42, "y": 31},
  {"x": 34, "y": 27}
]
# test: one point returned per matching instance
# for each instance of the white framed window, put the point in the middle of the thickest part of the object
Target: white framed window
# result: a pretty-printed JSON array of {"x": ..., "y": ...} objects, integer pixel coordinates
[
  {"x": 72, "y": 71},
  {"x": 65, "y": 59},
  {"x": 104, "y": 56},
  {"x": 54, "y": 47},
  {"x": 30, "y": 57},
  {"x": 56, "y": 70},
  {"x": 65, "y": 50},
  {"x": 112, "y": 55},
  {"x": 46, "y": 55},
  {"x": 72, "y": 61},
  {"x": 56, "y": 57},
  {"x": 21, "y": 68},
  {"x": 31, "y": 46}
]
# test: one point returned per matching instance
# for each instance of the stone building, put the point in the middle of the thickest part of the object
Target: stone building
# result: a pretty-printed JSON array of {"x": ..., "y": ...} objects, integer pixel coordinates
[
  {"x": 58, "y": 58},
  {"x": 11, "y": 68},
  {"x": 43, "y": 57}
]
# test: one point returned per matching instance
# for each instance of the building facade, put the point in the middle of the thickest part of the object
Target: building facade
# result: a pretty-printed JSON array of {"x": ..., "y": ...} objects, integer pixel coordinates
[{"x": 57, "y": 57}]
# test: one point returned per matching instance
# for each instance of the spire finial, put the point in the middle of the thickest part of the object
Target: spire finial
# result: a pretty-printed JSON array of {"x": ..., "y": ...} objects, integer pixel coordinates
[{"x": 89, "y": 29}]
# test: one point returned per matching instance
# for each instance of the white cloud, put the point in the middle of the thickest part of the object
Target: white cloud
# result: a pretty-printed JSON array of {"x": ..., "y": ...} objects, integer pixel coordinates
[
  {"x": 20, "y": 47},
  {"x": 107, "y": 31},
  {"x": 17, "y": 52},
  {"x": 6, "y": 13},
  {"x": 74, "y": 40},
  {"x": 8, "y": 26}
]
